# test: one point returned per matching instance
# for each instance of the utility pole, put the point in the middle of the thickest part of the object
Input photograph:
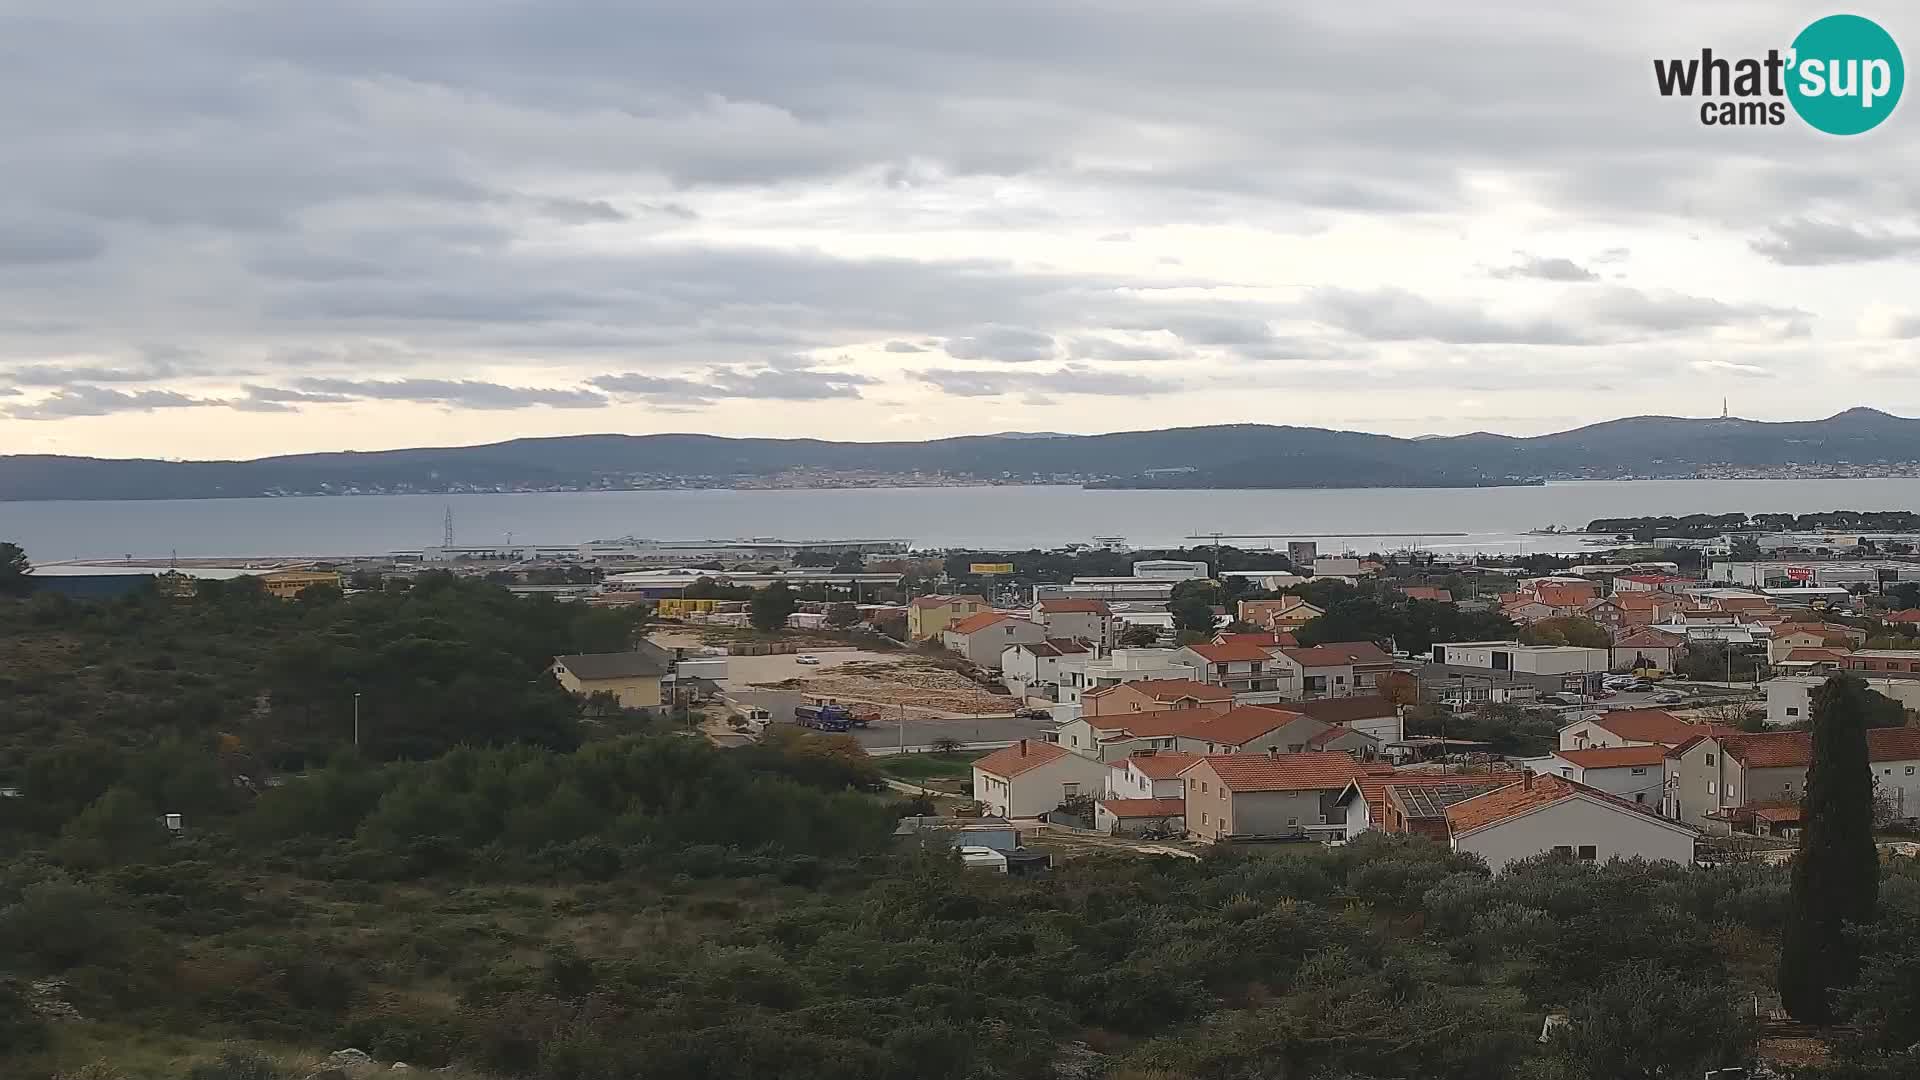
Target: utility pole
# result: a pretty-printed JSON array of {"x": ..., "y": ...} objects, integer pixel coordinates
[{"x": 356, "y": 719}]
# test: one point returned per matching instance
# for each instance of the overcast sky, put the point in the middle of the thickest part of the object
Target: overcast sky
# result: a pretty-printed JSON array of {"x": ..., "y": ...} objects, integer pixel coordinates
[{"x": 237, "y": 228}]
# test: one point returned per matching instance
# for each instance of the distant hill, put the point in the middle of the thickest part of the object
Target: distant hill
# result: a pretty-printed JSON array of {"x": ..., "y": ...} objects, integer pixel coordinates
[{"x": 1226, "y": 456}]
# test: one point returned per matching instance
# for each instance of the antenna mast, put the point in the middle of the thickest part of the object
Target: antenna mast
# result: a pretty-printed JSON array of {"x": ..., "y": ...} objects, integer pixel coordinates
[{"x": 446, "y": 539}]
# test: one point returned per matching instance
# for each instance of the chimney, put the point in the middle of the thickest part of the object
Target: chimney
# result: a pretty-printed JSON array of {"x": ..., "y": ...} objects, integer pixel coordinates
[
  {"x": 1526, "y": 779},
  {"x": 1023, "y": 748},
  {"x": 1273, "y": 751}
]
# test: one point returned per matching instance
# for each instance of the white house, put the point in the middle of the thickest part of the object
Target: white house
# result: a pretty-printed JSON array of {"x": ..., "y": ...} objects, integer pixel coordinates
[
  {"x": 1122, "y": 666},
  {"x": 1038, "y": 669},
  {"x": 1523, "y": 659},
  {"x": 1030, "y": 778},
  {"x": 1334, "y": 669},
  {"x": 1634, "y": 773},
  {"x": 984, "y": 637},
  {"x": 1790, "y": 698},
  {"x": 1136, "y": 816},
  {"x": 1148, "y": 774},
  {"x": 1239, "y": 666},
  {"x": 1553, "y": 814},
  {"x": 1629, "y": 727}
]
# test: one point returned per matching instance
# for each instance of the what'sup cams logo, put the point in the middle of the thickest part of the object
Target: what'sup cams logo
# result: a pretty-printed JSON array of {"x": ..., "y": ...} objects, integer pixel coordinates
[{"x": 1842, "y": 75}]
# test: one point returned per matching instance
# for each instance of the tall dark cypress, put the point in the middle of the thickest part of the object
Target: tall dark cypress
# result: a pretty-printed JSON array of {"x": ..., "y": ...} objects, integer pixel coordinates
[{"x": 1836, "y": 875}]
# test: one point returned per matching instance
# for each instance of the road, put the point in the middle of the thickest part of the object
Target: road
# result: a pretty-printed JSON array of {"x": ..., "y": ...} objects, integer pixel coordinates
[{"x": 986, "y": 730}]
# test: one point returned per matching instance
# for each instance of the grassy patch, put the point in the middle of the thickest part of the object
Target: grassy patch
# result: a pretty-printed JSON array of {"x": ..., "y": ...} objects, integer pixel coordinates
[{"x": 955, "y": 766}]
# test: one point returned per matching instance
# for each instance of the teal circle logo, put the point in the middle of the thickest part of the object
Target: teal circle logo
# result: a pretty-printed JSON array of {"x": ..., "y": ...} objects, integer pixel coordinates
[{"x": 1846, "y": 75}]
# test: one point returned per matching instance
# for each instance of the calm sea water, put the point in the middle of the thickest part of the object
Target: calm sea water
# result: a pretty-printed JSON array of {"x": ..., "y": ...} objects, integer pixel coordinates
[{"x": 1493, "y": 519}]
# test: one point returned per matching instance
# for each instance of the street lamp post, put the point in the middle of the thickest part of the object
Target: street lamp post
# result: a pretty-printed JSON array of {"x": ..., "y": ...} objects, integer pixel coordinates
[{"x": 356, "y": 719}]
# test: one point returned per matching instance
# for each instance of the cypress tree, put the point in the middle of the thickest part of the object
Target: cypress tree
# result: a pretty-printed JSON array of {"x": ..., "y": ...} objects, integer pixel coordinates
[{"x": 1836, "y": 875}]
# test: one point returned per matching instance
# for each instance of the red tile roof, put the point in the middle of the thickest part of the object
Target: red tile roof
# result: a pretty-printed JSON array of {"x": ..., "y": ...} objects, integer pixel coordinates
[
  {"x": 1648, "y": 725},
  {"x": 943, "y": 600},
  {"x": 1062, "y": 607},
  {"x": 1818, "y": 655},
  {"x": 1565, "y": 595},
  {"x": 1281, "y": 772},
  {"x": 1267, "y": 640},
  {"x": 1230, "y": 653},
  {"x": 1169, "y": 690},
  {"x": 1156, "y": 724},
  {"x": 975, "y": 623},
  {"x": 1648, "y": 638},
  {"x": 1333, "y": 734},
  {"x": 1910, "y": 615},
  {"x": 1893, "y": 744},
  {"x": 1236, "y": 727},
  {"x": 1770, "y": 749},
  {"x": 1339, "y": 654},
  {"x": 1023, "y": 756},
  {"x": 1515, "y": 799},
  {"x": 1145, "y": 808},
  {"x": 1615, "y": 757},
  {"x": 1158, "y": 764},
  {"x": 1427, "y": 592}
]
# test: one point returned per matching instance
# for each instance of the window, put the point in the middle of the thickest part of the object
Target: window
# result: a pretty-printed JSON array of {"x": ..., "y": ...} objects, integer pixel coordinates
[
  {"x": 1710, "y": 790},
  {"x": 1641, "y": 771},
  {"x": 1589, "y": 853},
  {"x": 1203, "y": 787},
  {"x": 1793, "y": 710},
  {"x": 1323, "y": 819},
  {"x": 1709, "y": 759},
  {"x": 1909, "y": 770},
  {"x": 1223, "y": 794},
  {"x": 1566, "y": 770},
  {"x": 1293, "y": 822},
  {"x": 1563, "y": 849},
  {"x": 1203, "y": 817},
  {"x": 1069, "y": 790},
  {"x": 1639, "y": 796}
]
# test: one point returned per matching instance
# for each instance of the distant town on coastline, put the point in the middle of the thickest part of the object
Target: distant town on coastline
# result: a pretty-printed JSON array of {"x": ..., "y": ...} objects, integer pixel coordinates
[{"x": 1856, "y": 443}]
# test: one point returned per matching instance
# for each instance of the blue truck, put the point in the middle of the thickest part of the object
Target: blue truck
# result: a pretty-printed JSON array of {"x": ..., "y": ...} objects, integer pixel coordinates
[{"x": 823, "y": 717}]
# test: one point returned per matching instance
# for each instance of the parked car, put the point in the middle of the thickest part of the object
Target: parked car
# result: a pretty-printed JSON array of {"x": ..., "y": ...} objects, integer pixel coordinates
[
  {"x": 1027, "y": 712},
  {"x": 806, "y": 658},
  {"x": 1669, "y": 698}
]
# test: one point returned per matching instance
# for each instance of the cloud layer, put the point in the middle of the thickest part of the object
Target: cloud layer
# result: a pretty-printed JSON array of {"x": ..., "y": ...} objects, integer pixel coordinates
[{"x": 364, "y": 224}]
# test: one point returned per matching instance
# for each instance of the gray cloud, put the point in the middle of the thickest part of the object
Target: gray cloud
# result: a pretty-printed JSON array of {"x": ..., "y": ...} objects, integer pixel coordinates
[
  {"x": 769, "y": 384},
  {"x": 903, "y": 347},
  {"x": 1611, "y": 315},
  {"x": 1808, "y": 242},
  {"x": 38, "y": 243},
  {"x": 1124, "y": 351},
  {"x": 1072, "y": 379},
  {"x": 101, "y": 401},
  {"x": 464, "y": 393},
  {"x": 1546, "y": 269},
  {"x": 1005, "y": 344}
]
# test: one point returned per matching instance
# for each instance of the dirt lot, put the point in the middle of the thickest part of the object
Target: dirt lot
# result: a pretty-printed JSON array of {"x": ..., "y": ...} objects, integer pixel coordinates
[{"x": 916, "y": 685}]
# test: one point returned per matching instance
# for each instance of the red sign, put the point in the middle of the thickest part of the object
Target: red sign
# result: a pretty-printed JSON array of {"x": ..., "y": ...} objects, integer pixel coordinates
[{"x": 1799, "y": 573}]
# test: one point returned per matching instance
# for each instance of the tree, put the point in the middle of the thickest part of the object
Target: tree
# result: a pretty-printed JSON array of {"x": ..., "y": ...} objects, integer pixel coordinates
[
  {"x": 15, "y": 571},
  {"x": 1906, "y": 594},
  {"x": 1138, "y": 637},
  {"x": 117, "y": 827},
  {"x": 1836, "y": 875},
  {"x": 841, "y": 616},
  {"x": 850, "y": 562},
  {"x": 771, "y": 606},
  {"x": 1192, "y": 606},
  {"x": 1566, "y": 630}
]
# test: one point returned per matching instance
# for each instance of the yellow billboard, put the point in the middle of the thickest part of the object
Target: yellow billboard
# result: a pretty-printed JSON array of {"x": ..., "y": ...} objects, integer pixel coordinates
[{"x": 990, "y": 568}]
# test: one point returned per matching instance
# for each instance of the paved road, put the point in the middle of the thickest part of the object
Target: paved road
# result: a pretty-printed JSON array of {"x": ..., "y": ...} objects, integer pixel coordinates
[{"x": 970, "y": 729}]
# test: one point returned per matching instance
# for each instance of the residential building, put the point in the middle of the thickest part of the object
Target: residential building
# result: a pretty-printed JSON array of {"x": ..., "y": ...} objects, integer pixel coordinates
[
  {"x": 1710, "y": 777},
  {"x": 1790, "y": 636},
  {"x": 1083, "y": 620},
  {"x": 1038, "y": 669},
  {"x": 1248, "y": 729},
  {"x": 1270, "y": 640},
  {"x": 1334, "y": 669},
  {"x": 1427, "y": 592},
  {"x": 1410, "y": 803},
  {"x": 1904, "y": 661},
  {"x": 929, "y": 616},
  {"x": 288, "y": 584},
  {"x": 1362, "y": 746},
  {"x": 1267, "y": 795},
  {"x": 1154, "y": 695},
  {"x": 1526, "y": 611},
  {"x": 1541, "y": 814},
  {"x": 1134, "y": 817},
  {"x": 1302, "y": 552},
  {"x": 1337, "y": 566},
  {"x": 1790, "y": 698},
  {"x": 1634, "y": 773},
  {"x": 1113, "y": 737},
  {"x": 1370, "y": 714},
  {"x": 1904, "y": 617},
  {"x": 1630, "y": 727},
  {"x": 984, "y": 637},
  {"x": 1031, "y": 777},
  {"x": 1169, "y": 570},
  {"x": 1148, "y": 774},
  {"x": 1240, "y": 667},
  {"x": 633, "y": 678},
  {"x": 1124, "y": 665},
  {"x": 1644, "y": 647},
  {"x": 1524, "y": 659},
  {"x": 1608, "y": 615},
  {"x": 1251, "y": 729},
  {"x": 1286, "y": 613}
]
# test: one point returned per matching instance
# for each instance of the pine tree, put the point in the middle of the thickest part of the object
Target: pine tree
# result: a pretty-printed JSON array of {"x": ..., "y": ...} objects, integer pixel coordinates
[{"x": 1836, "y": 876}]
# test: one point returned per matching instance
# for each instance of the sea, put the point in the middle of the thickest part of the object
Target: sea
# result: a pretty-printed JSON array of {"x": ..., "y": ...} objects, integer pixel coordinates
[{"x": 1498, "y": 520}]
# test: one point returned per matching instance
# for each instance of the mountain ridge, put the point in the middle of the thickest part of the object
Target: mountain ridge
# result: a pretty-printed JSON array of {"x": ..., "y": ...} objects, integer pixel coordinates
[{"x": 1212, "y": 456}]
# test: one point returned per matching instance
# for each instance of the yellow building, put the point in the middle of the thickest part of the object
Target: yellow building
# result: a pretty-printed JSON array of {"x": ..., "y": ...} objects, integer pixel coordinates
[
  {"x": 930, "y": 616},
  {"x": 673, "y": 607},
  {"x": 286, "y": 584},
  {"x": 633, "y": 678}
]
